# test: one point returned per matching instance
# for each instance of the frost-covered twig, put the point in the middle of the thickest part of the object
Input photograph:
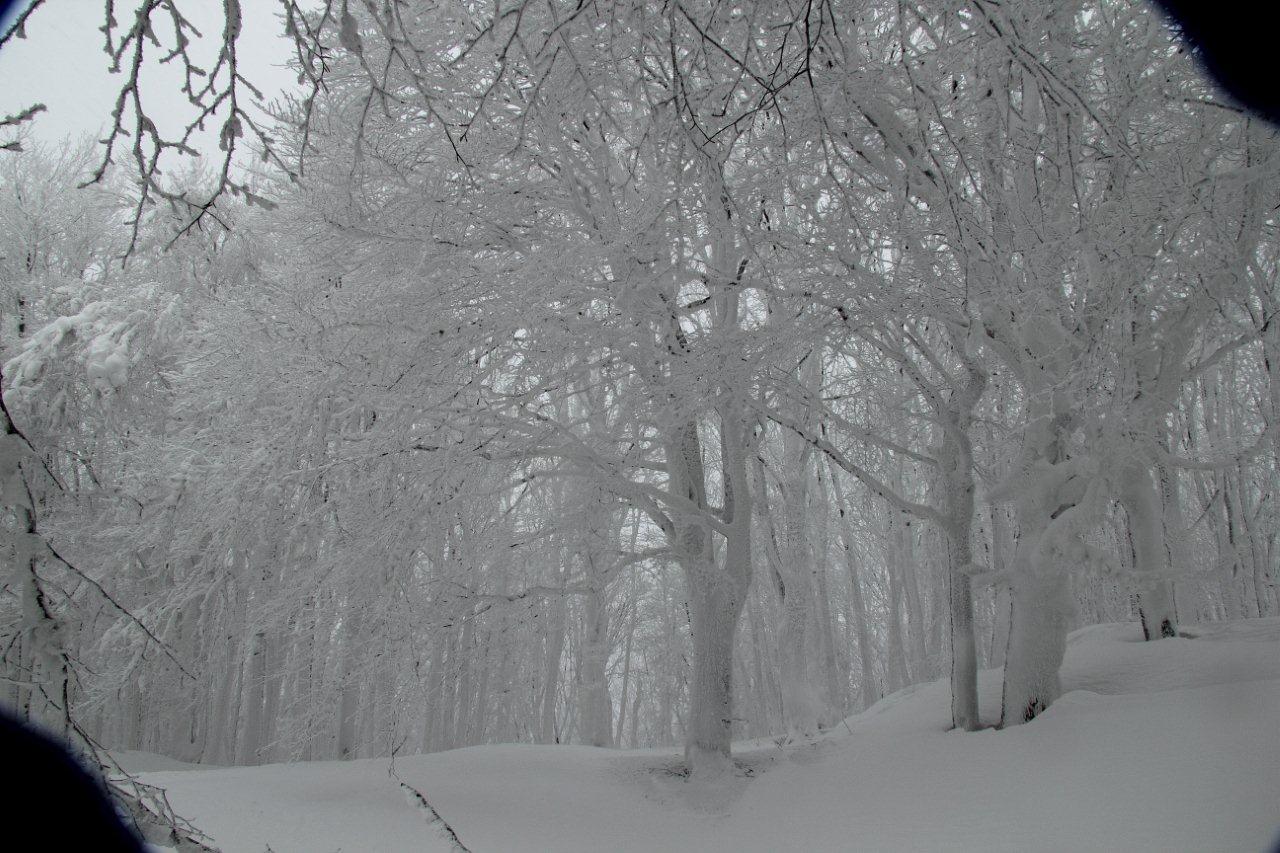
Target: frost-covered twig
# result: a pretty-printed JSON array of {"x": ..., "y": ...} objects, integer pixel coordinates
[
  {"x": 19, "y": 27},
  {"x": 216, "y": 94},
  {"x": 16, "y": 120}
]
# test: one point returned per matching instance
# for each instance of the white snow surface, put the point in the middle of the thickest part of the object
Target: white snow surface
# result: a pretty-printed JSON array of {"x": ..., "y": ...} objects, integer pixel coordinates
[{"x": 1165, "y": 746}]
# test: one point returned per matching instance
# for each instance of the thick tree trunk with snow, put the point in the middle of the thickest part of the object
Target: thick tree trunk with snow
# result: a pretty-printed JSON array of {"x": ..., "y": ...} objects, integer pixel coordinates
[
  {"x": 1142, "y": 503},
  {"x": 1052, "y": 494},
  {"x": 1037, "y": 644},
  {"x": 717, "y": 590},
  {"x": 715, "y": 603},
  {"x": 955, "y": 463},
  {"x": 1041, "y": 608}
]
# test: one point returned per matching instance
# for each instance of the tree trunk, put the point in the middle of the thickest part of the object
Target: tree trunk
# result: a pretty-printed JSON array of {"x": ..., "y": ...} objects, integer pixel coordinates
[
  {"x": 867, "y": 692},
  {"x": 551, "y": 670},
  {"x": 1142, "y": 504},
  {"x": 714, "y": 606},
  {"x": 964, "y": 652},
  {"x": 717, "y": 594},
  {"x": 957, "y": 473},
  {"x": 349, "y": 682},
  {"x": 626, "y": 666},
  {"x": 255, "y": 680},
  {"x": 1003, "y": 604},
  {"x": 896, "y": 671},
  {"x": 1037, "y": 644},
  {"x": 1041, "y": 607},
  {"x": 595, "y": 707}
]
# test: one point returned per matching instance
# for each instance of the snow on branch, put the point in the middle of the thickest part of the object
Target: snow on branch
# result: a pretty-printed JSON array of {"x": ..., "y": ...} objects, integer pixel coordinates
[
  {"x": 217, "y": 94},
  {"x": 419, "y": 800}
]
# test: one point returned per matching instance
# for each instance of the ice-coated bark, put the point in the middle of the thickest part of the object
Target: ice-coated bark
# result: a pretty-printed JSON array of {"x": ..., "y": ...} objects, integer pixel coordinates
[
  {"x": 1039, "y": 588},
  {"x": 1037, "y": 644},
  {"x": 715, "y": 602},
  {"x": 955, "y": 463},
  {"x": 1141, "y": 499},
  {"x": 717, "y": 589}
]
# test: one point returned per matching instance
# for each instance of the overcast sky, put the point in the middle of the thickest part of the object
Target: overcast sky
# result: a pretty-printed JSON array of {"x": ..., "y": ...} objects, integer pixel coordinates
[{"x": 62, "y": 64}]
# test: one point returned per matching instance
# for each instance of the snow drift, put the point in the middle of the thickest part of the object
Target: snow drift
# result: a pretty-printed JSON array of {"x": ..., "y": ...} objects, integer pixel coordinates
[{"x": 1165, "y": 746}]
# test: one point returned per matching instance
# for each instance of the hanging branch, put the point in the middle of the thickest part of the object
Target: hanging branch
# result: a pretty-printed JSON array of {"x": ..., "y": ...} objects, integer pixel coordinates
[{"x": 216, "y": 94}]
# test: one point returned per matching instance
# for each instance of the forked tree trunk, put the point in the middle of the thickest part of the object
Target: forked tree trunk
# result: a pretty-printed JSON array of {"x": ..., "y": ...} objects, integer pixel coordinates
[{"x": 717, "y": 593}]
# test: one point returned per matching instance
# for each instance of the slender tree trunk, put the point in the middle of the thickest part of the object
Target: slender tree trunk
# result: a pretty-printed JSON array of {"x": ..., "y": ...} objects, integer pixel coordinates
[
  {"x": 596, "y": 708},
  {"x": 434, "y": 690},
  {"x": 626, "y": 666},
  {"x": 868, "y": 694},
  {"x": 478, "y": 718},
  {"x": 255, "y": 679},
  {"x": 551, "y": 670},
  {"x": 834, "y": 698},
  {"x": 466, "y": 684},
  {"x": 896, "y": 671},
  {"x": 964, "y": 651},
  {"x": 918, "y": 660},
  {"x": 1003, "y": 604},
  {"x": 446, "y": 681}
]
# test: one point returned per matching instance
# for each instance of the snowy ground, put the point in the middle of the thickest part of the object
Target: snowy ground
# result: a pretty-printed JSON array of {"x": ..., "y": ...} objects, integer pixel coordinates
[{"x": 1168, "y": 746}]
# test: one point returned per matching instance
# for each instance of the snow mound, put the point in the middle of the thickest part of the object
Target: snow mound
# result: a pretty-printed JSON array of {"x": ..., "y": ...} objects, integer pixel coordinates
[{"x": 1166, "y": 746}]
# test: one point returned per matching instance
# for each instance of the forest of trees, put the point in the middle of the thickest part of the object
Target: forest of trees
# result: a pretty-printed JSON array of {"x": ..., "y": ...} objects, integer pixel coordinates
[{"x": 632, "y": 373}]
